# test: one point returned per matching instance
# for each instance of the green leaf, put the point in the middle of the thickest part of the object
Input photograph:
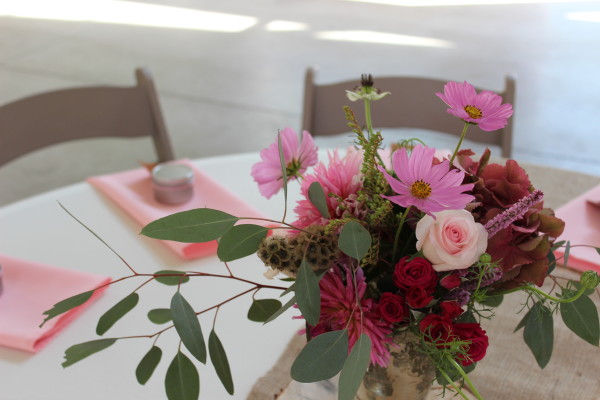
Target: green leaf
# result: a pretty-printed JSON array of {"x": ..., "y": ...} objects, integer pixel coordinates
[
  {"x": 317, "y": 197},
  {"x": 182, "y": 381},
  {"x": 523, "y": 321},
  {"x": 146, "y": 367},
  {"x": 188, "y": 327},
  {"x": 322, "y": 357},
  {"x": 283, "y": 308},
  {"x": 241, "y": 241},
  {"x": 551, "y": 262},
  {"x": 308, "y": 295},
  {"x": 539, "y": 333},
  {"x": 581, "y": 316},
  {"x": 467, "y": 317},
  {"x": 290, "y": 289},
  {"x": 116, "y": 312},
  {"x": 160, "y": 315},
  {"x": 219, "y": 361},
  {"x": 354, "y": 240},
  {"x": 80, "y": 351},
  {"x": 261, "y": 310},
  {"x": 354, "y": 368},
  {"x": 192, "y": 226},
  {"x": 566, "y": 254},
  {"x": 597, "y": 250},
  {"x": 173, "y": 278},
  {"x": 65, "y": 305},
  {"x": 492, "y": 301}
]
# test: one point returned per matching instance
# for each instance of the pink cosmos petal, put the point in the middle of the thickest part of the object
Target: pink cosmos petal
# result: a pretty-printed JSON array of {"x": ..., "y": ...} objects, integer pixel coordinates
[
  {"x": 268, "y": 174},
  {"x": 446, "y": 185},
  {"x": 494, "y": 114}
]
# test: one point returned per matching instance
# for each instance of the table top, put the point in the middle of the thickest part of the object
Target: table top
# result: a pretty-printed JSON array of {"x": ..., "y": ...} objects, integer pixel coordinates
[{"x": 37, "y": 229}]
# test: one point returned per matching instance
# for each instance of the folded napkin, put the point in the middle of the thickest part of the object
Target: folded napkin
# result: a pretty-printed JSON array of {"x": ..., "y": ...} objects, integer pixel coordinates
[
  {"x": 582, "y": 217},
  {"x": 132, "y": 191},
  {"x": 31, "y": 288}
]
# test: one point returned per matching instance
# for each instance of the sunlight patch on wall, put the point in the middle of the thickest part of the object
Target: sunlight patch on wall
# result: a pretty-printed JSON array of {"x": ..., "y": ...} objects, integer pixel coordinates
[
  {"x": 441, "y": 3},
  {"x": 285, "y": 26},
  {"x": 126, "y": 13},
  {"x": 587, "y": 16},
  {"x": 382, "y": 38}
]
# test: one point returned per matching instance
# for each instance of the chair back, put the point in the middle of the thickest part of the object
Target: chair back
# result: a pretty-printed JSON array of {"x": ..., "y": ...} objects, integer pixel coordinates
[
  {"x": 412, "y": 104},
  {"x": 45, "y": 119}
]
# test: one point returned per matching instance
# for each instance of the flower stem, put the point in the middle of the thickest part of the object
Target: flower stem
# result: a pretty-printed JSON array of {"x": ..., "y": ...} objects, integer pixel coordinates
[
  {"x": 397, "y": 237},
  {"x": 368, "y": 118},
  {"x": 462, "y": 137},
  {"x": 456, "y": 388},
  {"x": 465, "y": 377},
  {"x": 544, "y": 294}
]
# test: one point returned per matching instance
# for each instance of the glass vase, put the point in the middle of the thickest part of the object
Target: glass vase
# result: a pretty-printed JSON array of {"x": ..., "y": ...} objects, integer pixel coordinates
[{"x": 408, "y": 376}]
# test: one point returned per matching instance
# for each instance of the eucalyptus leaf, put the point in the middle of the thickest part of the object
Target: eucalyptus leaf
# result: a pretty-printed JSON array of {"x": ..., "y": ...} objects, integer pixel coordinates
[
  {"x": 219, "y": 361},
  {"x": 354, "y": 368},
  {"x": 551, "y": 262},
  {"x": 192, "y": 226},
  {"x": 322, "y": 357},
  {"x": 261, "y": 310},
  {"x": 539, "y": 333},
  {"x": 566, "y": 253},
  {"x": 317, "y": 197},
  {"x": 241, "y": 241},
  {"x": 188, "y": 327},
  {"x": 160, "y": 315},
  {"x": 281, "y": 310},
  {"x": 148, "y": 364},
  {"x": 308, "y": 295},
  {"x": 65, "y": 305},
  {"x": 182, "y": 381},
  {"x": 171, "y": 278},
  {"x": 80, "y": 351},
  {"x": 116, "y": 312},
  {"x": 492, "y": 301},
  {"x": 581, "y": 316},
  {"x": 523, "y": 321},
  {"x": 290, "y": 289},
  {"x": 354, "y": 240}
]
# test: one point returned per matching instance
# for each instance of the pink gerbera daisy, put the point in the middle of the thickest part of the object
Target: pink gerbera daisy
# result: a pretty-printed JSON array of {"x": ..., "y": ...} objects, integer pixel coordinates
[
  {"x": 430, "y": 188},
  {"x": 483, "y": 109},
  {"x": 343, "y": 306},
  {"x": 341, "y": 177},
  {"x": 298, "y": 156}
]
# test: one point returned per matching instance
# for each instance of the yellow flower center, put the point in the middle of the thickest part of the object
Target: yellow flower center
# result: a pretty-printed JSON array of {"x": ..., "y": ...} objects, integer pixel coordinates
[
  {"x": 420, "y": 189},
  {"x": 473, "y": 112}
]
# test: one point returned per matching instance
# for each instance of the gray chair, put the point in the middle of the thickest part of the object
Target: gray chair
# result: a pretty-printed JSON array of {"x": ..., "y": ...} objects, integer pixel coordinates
[
  {"x": 45, "y": 119},
  {"x": 412, "y": 104}
]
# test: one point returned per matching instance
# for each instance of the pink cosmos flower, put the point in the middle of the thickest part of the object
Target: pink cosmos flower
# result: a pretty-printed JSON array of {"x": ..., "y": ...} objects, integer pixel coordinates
[
  {"x": 339, "y": 299},
  {"x": 483, "y": 109},
  {"x": 341, "y": 176},
  {"x": 298, "y": 156},
  {"x": 422, "y": 184}
]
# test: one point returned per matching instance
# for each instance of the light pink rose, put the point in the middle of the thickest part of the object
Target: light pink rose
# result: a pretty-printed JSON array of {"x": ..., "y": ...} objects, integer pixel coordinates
[{"x": 453, "y": 240}]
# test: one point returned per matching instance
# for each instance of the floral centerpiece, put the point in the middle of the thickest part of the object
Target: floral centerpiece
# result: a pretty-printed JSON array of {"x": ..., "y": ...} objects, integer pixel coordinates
[{"x": 388, "y": 245}]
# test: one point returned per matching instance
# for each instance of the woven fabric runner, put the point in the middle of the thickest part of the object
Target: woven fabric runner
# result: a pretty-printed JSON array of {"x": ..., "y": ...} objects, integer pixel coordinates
[{"x": 509, "y": 370}]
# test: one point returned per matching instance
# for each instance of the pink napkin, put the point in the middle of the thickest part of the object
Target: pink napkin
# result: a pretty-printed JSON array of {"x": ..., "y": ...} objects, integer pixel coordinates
[
  {"x": 31, "y": 288},
  {"x": 582, "y": 218},
  {"x": 132, "y": 191}
]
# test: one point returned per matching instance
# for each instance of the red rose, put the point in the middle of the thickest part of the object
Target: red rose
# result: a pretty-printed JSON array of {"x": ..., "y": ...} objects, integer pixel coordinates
[
  {"x": 473, "y": 333},
  {"x": 436, "y": 328},
  {"x": 418, "y": 297},
  {"x": 450, "y": 309},
  {"x": 392, "y": 307},
  {"x": 417, "y": 272},
  {"x": 450, "y": 282}
]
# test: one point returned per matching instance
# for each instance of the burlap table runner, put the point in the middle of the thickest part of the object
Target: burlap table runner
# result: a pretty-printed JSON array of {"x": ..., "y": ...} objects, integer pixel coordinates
[{"x": 509, "y": 370}]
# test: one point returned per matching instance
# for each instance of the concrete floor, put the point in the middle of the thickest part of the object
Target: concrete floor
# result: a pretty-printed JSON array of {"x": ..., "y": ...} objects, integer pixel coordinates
[{"x": 229, "y": 80}]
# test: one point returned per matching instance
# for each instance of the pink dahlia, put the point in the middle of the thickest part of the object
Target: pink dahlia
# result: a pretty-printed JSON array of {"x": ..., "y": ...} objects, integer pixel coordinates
[
  {"x": 483, "y": 109},
  {"x": 298, "y": 156},
  {"x": 341, "y": 177},
  {"x": 343, "y": 306},
  {"x": 430, "y": 188}
]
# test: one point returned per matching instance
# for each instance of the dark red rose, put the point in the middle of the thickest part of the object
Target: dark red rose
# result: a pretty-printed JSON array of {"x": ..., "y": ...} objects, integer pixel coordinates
[
  {"x": 436, "y": 328},
  {"x": 450, "y": 282},
  {"x": 392, "y": 307},
  {"x": 450, "y": 309},
  {"x": 417, "y": 272},
  {"x": 473, "y": 333},
  {"x": 418, "y": 297}
]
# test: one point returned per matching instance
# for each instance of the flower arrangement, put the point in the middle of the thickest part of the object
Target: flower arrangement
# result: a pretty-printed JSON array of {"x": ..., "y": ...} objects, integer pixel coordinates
[{"x": 385, "y": 242}]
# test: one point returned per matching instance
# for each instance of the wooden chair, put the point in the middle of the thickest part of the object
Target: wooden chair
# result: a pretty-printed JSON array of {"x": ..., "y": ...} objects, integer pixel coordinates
[
  {"x": 412, "y": 104},
  {"x": 100, "y": 111}
]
